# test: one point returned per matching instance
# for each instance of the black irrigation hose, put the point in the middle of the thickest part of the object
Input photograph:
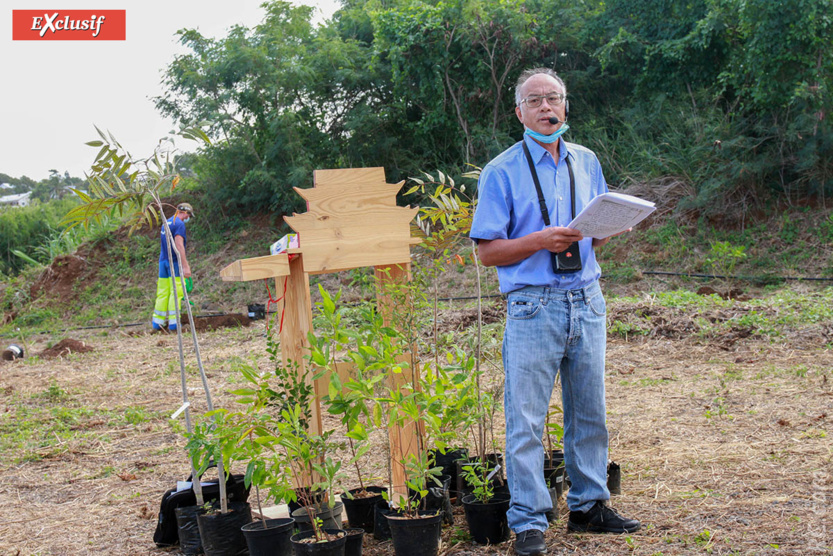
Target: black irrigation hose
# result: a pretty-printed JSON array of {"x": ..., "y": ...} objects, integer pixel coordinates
[
  {"x": 746, "y": 278},
  {"x": 127, "y": 325},
  {"x": 492, "y": 296}
]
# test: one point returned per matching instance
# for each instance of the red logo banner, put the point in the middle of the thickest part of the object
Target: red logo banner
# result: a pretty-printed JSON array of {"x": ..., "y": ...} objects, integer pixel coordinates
[{"x": 69, "y": 25}]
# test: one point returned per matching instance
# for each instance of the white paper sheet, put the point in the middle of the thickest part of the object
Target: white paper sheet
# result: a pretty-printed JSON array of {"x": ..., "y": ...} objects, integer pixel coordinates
[{"x": 611, "y": 213}]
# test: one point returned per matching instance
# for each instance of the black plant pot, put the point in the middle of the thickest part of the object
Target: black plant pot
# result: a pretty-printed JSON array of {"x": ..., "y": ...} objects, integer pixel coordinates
[
  {"x": 487, "y": 520},
  {"x": 497, "y": 459},
  {"x": 555, "y": 478},
  {"x": 360, "y": 510},
  {"x": 188, "y": 530},
  {"x": 271, "y": 541},
  {"x": 221, "y": 534},
  {"x": 418, "y": 536},
  {"x": 381, "y": 529},
  {"x": 554, "y": 475},
  {"x": 355, "y": 542},
  {"x": 553, "y": 458},
  {"x": 438, "y": 499},
  {"x": 497, "y": 480},
  {"x": 614, "y": 478},
  {"x": 330, "y": 548},
  {"x": 448, "y": 461},
  {"x": 304, "y": 496},
  {"x": 330, "y": 516}
]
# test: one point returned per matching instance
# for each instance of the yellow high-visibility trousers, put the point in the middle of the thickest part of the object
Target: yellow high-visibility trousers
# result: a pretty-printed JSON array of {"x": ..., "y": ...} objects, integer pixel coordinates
[{"x": 164, "y": 311}]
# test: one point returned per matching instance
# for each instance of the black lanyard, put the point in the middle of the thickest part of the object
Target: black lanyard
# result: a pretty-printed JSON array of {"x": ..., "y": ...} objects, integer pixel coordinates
[
  {"x": 544, "y": 212},
  {"x": 568, "y": 260}
]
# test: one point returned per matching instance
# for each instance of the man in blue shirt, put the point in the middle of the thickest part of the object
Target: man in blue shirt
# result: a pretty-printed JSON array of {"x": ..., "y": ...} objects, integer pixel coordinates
[
  {"x": 164, "y": 311},
  {"x": 555, "y": 312}
]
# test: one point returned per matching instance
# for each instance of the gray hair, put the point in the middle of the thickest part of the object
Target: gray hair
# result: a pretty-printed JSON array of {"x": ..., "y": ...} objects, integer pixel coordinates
[{"x": 526, "y": 74}]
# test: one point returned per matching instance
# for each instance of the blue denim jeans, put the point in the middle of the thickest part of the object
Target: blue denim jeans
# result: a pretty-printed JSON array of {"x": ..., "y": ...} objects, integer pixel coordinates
[{"x": 546, "y": 330}]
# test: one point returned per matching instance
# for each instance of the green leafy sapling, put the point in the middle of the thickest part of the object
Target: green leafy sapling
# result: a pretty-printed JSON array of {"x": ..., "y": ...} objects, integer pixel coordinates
[
  {"x": 349, "y": 400},
  {"x": 308, "y": 456},
  {"x": 479, "y": 476}
]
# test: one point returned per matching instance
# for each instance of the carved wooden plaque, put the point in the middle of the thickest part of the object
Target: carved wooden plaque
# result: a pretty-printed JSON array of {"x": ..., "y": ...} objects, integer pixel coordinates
[{"x": 352, "y": 221}]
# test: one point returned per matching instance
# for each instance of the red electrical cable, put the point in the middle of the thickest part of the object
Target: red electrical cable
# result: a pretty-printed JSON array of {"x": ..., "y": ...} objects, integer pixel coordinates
[
  {"x": 269, "y": 304},
  {"x": 291, "y": 257}
]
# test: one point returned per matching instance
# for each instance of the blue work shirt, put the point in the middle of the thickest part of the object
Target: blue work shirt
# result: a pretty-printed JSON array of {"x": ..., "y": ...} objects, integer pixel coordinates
[
  {"x": 508, "y": 208},
  {"x": 177, "y": 229}
]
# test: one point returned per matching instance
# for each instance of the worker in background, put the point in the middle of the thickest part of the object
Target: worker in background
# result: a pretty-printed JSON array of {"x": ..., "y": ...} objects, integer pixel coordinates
[{"x": 164, "y": 312}]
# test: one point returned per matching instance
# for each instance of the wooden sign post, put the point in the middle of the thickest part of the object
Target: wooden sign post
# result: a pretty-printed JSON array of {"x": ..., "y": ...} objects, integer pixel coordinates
[{"x": 352, "y": 221}]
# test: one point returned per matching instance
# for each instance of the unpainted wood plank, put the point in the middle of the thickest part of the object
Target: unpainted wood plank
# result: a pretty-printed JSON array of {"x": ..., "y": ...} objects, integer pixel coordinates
[
  {"x": 338, "y": 176},
  {"x": 341, "y": 198},
  {"x": 296, "y": 308},
  {"x": 343, "y": 248},
  {"x": 377, "y": 217},
  {"x": 256, "y": 268}
]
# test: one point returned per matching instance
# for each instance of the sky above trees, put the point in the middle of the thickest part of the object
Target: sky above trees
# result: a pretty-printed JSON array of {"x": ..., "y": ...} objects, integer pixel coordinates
[{"x": 56, "y": 91}]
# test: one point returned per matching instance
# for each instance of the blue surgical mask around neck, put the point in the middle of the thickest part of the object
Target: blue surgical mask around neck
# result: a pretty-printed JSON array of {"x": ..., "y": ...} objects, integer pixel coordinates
[
  {"x": 186, "y": 219},
  {"x": 547, "y": 138}
]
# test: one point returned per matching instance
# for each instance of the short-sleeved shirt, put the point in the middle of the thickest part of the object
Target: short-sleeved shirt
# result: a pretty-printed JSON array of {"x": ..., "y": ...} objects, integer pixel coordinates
[
  {"x": 177, "y": 229},
  {"x": 508, "y": 208}
]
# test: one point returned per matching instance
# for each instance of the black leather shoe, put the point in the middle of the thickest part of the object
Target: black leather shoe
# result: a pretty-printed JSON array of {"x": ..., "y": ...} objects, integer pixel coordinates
[
  {"x": 601, "y": 519},
  {"x": 530, "y": 543}
]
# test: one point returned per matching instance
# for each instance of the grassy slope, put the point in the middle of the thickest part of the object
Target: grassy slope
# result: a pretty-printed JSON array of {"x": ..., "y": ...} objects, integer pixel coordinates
[{"x": 117, "y": 283}]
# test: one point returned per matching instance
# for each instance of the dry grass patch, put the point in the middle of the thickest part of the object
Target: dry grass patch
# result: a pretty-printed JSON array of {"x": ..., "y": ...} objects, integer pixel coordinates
[{"x": 725, "y": 447}]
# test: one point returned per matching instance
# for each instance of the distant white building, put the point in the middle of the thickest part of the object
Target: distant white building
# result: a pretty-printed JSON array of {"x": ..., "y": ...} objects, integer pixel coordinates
[
  {"x": 20, "y": 200},
  {"x": 6, "y": 186}
]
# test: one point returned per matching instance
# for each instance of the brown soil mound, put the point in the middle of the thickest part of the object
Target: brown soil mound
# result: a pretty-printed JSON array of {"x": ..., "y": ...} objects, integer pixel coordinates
[
  {"x": 68, "y": 275},
  {"x": 219, "y": 321},
  {"x": 59, "y": 278},
  {"x": 66, "y": 347}
]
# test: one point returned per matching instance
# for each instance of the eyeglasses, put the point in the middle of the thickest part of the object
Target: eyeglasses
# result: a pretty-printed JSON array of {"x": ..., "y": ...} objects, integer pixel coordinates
[{"x": 553, "y": 99}]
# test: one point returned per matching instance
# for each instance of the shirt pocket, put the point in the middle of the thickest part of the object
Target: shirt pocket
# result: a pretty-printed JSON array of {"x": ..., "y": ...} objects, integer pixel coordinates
[{"x": 520, "y": 309}]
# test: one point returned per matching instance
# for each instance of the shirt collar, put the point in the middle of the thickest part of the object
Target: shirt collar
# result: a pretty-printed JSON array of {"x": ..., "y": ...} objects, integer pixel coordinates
[{"x": 538, "y": 152}]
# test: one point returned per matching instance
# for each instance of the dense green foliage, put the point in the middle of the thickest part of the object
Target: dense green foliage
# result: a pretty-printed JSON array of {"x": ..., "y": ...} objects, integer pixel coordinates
[
  {"x": 729, "y": 97},
  {"x": 29, "y": 230}
]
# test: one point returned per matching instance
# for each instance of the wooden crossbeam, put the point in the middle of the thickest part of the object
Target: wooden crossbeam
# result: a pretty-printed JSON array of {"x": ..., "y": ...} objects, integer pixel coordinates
[{"x": 256, "y": 268}]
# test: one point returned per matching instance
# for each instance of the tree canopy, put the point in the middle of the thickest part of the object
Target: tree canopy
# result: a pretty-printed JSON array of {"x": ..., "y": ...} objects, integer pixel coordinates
[{"x": 728, "y": 96}]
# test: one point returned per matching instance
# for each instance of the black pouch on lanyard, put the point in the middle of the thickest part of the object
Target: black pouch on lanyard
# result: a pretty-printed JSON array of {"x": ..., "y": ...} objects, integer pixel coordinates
[{"x": 568, "y": 260}]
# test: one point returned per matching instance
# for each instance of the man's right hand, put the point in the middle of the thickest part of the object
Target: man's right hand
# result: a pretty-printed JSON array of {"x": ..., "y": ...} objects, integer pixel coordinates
[
  {"x": 503, "y": 252},
  {"x": 556, "y": 239}
]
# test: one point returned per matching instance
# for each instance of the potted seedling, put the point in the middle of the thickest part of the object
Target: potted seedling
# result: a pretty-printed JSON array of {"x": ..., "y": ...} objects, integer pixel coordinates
[
  {"x": 251, "y": 432},
  {"x": 288, "y": 453},
  {"x": 485, "y": 510},
  {"x": 349, "y": 400},
  {"x": 554, "y": 457},
  {"x": 305, "y": 456},
  {"x": 379, "y": 351},
  {"x": 219, "y": 523},
  {"x": 308, "y": 455},
  {"x": 453, "y": 395},
  {"x": 445, "y": 222},
  {"x": 414, "y": 532},
  {"x": 443, "y": 225}
]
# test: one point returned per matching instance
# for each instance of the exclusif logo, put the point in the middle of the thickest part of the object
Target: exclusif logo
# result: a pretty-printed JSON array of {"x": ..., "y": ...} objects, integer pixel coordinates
[{"x": 69, "y": 25}]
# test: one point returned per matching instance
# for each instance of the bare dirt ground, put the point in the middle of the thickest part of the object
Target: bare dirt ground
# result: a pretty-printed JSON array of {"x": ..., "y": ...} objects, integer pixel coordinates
[{"x": 725, "y": 443}]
